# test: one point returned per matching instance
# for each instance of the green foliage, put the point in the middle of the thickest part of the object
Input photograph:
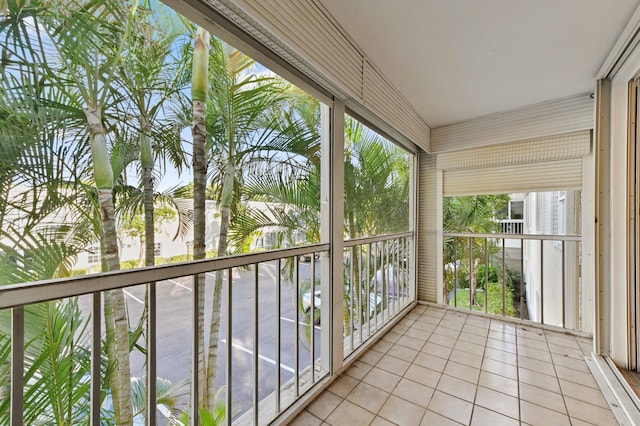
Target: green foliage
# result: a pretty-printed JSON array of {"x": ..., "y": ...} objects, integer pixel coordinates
[{"x": 494, "y": 299}]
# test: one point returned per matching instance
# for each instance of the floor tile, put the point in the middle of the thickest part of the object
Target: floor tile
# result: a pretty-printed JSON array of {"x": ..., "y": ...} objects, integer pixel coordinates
[
  {"x": 343, "y": 386},
  {"x": 402, "y": 412},
  {"x": 497, "y": 401},
  {"x": 502, "y": 356},
  {"x": 498, "y": 383},
  {"x": 483, "y": 417},
  {"x": 381, "y": 379},
  {"x": 349, "y": 414},
  {"x": 323, "y": 405},
  {"x": 431, "y": 419},
  {"x": 393, "y": 365},
  {"x": 569, "y": 374},
  {"x": 414, "y": 392},
  {"x": 583, "y": 393},
  {"x": 458, "y": 388},
  {"x": 461, "y": 371},
  {"x": 499, "y": 368},
  {"x": 539, "y": 380},
  {"x": 472, "y": 338},
  {"x": 402, "y": 352},
  {"x": 437, "y": 350},
  {"x": 542, "y": 397},
  {"x": 359, "y": 369},
  {"x": 536, "y": 415},
  {"x": 371, "y": 357},
  {"x": 470, "y": 370},
  {"x": 379, "y": 421},
  {"x": 424, "y": 376},
  {"x": 306, "y": 419},
  {"x": 451, "y": 407},
  {"x": 439, "y": 339},
  {"x": 368, "y": 397},
  {"x": 536, "y": 365},
  {"x": 430, "y": 361},
  {"x": 466, "y": 358},
  {"x": 411, "y": 343},
  {"x": 590, "y": 413},
  {"x": 470, "y": 347}
]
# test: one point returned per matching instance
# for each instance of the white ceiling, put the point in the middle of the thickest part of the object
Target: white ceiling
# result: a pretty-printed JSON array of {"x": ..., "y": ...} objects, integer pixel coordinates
[{"x": 459, "y": 59}]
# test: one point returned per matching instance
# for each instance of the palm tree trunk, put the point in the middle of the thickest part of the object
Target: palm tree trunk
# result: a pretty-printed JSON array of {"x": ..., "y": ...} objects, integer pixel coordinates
[
  {"x": 473, "y": 283},
  {"x": 199, "y": 89},
  {"x": 146, "y": 157},
  {"x": 116, "y": 323},
  {"x": 214, "y": 326}
]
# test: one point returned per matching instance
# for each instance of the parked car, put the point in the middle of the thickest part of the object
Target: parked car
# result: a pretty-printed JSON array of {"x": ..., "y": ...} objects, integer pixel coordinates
[
  {"x": 375, "y": 303},
  {"x": 307, "y": 257}
]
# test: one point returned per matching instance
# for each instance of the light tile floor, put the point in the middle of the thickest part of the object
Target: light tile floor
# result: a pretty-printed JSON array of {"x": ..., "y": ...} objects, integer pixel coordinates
[{"x": 443, "y": 367}]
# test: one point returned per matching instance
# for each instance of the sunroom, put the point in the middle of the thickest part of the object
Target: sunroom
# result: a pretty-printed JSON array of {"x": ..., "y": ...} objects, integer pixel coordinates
[{"x": 319, "y": 212}]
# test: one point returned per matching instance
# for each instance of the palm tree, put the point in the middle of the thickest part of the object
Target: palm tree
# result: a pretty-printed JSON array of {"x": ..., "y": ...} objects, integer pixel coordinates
[
  {"x": 474, "y": 214},
  {"x": 199, "y": 94},
  {"x": 240, "y": 107},
  {"x": 80, "y": 45}
]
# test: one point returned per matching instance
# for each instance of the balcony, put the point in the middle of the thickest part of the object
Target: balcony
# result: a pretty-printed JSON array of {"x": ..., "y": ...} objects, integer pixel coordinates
[{"x": 439, "y": 366}]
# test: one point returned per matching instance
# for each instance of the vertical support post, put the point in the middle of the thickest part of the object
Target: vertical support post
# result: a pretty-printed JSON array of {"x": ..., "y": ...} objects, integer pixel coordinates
[
  {"x": 195, "y": 353},
  {"x": 229, "y": 337},
  {"x": 278, "y": 329},
  {"x": 369, "y": 290},
  {"x": 312, "y": 318},
  {"x": 296, "y": 347},
  {"x": 17, "y": 365},
  {"x": 486, "y": 275},
  {"x": 564, "y": 262},
  {"x": 375, "y": 272},
  {"x": 351, "y": 295},
  {"x": 455, "y": 272},
  {"x": 504, "y": 281},
  {"x": 96, "y": 357},
  {"x": 332, "y": 227},
  {"x": 541, "y": 281},
  {"x": 470, "y": 269},
  {"x": 522, "y": 283},
  {"x": 151, "y": 355},
  {"x": 256, "y": 348}
]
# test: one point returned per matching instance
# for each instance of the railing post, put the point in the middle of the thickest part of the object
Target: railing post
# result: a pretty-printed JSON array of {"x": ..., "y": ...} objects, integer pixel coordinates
[
  {"x": 522, "y": 282},
  {"x": 96, "y": 358},
  {"x": 504, "y": 280},
  {"x": 471, "y": 270},
  {"x": 229, "y": 354},
  {"x": 151, "y": 355},
  {"x": 455, "y": 273},
  {"x": 541, "y": 281},
  {"x": 278, "y": 329},
  {"x": 17, "y": 365},
  {"x": 486, "y": 275}
]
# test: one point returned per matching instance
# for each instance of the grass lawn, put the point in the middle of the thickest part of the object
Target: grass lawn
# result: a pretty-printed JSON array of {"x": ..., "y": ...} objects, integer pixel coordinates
[{"x": 494, "y": 300}]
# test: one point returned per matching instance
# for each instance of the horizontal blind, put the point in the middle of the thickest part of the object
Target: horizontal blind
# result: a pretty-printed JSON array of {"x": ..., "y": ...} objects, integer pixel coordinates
[
  {"x": 427, "y": 229},
  {"x": 303, "y": 33},
  {"x": 386, "y": 102},
  {"x": 545, "y": 119},
  {"x": 533, "y": 177},
  {"x": 537, "y": 150}
]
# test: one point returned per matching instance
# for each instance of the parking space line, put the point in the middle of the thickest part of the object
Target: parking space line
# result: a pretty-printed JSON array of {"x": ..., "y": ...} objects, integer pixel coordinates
[
  {"x": 262, "y": 357},
  {"x": 179, "y": 285},
  {"x": 299, "y": 322},
  {"x": 133, "y": 297}
]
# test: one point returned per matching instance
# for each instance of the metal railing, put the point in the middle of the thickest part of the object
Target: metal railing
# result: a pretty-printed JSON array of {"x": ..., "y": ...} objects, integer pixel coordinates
[
  {"x": 283, "y": 273},
  {"x": 512, "y": 226},
  {"x": 377, "y": 284},
  {"x": 537, "y": 278}
]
